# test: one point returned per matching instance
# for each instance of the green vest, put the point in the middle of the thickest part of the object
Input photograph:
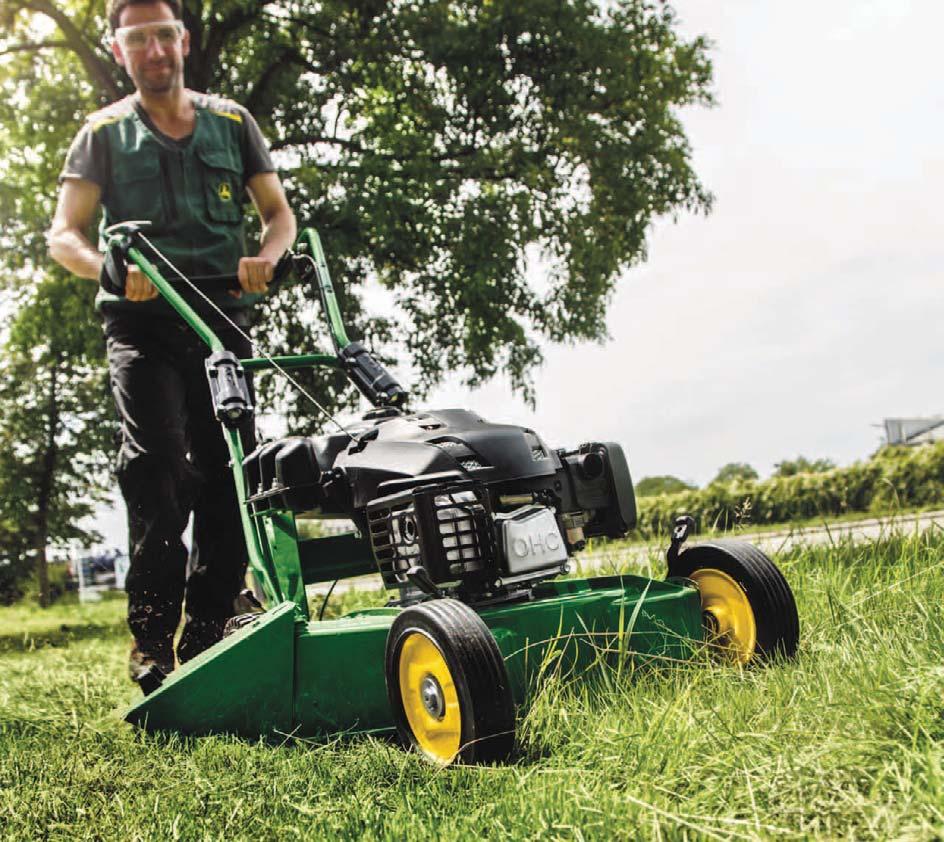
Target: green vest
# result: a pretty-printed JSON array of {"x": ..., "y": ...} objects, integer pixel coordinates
[{"x": 192, "y": 196}]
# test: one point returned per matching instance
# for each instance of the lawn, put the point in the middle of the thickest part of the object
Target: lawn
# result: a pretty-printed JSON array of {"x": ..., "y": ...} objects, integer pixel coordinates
[{"x": 847, "y": 741}]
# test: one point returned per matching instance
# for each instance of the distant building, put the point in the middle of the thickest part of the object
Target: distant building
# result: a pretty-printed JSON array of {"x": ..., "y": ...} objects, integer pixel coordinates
[{"x": 914, "y": 430}]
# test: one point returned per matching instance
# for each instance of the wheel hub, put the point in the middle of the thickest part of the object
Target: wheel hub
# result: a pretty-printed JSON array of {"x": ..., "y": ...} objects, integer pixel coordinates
[
  {"x": 431, "y": 694},
  {"x": 710, "y": 621},
  {"x": 726, "y": 613}
]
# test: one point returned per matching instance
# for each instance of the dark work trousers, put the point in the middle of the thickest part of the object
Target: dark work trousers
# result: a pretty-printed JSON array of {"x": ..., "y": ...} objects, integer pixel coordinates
[{"x": 174, "y": 460}]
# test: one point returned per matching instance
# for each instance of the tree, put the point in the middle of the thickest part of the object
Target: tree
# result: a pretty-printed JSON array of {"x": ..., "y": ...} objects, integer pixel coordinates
[
  {"x": 652, "y": 486},
  {"x": 439, "y": 147},
  {"x": 442, "y": 148},
  {"x": 56, "y": 430},
  {"x": 802, "y": 465},
  {"x": 735, "y": 472}
]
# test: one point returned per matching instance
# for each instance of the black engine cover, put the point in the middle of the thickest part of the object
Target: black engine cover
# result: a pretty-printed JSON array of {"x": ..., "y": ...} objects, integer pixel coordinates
[{"x": 441, "y": 441}]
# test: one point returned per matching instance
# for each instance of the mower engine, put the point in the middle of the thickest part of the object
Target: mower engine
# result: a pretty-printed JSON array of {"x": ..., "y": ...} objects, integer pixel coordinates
[{"x": 451, "y": 503}]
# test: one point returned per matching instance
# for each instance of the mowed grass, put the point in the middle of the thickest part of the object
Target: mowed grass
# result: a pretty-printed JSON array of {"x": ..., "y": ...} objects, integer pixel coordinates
[{"x": 845, "y": 742}]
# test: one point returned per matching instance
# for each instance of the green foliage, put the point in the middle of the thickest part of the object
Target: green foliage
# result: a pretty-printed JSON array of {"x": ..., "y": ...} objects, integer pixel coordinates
[
  {"x": 15, "y": 562},
  {"x": 916, "y": 478},
  {"x": 847, "y": 742},
  {"x": 802, "y": 465},
  {"x": 58, "y": 583},
  {"x": 651, "y": 486},
  {"x": 905, "y": 478},
  {"x": 438, "y": 146},
  {"x": 735, "y": 472},
  {"x": 56, "y": 427}
]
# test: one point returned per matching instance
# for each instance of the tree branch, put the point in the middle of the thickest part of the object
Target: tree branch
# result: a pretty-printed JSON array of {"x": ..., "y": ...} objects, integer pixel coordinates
[
  {"x": 34, "y": 47},
  {"x": 258, "y": 89},
  {"x": 98, "y": 71},
  {"x": 218, "y": 33},
  {"x": 305, "y": 23},
  {"x": 309, "y": 139}
]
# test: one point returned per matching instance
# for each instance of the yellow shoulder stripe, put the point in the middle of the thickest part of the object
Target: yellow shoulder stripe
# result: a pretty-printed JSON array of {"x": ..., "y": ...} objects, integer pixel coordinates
[
  {"x": 237, "y": 117},
  {"x": 105, "y": 121}
]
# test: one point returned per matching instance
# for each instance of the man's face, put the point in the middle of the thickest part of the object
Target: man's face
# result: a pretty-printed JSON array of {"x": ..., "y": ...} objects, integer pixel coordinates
[{"x": 145, "y": 46}]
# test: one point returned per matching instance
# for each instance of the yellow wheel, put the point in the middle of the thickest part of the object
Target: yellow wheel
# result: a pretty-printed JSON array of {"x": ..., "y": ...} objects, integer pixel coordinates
[
  {"x": 429, "y": 698},
  {"x": 747, "y": 606},
  {"x": 447, "y": 685}
]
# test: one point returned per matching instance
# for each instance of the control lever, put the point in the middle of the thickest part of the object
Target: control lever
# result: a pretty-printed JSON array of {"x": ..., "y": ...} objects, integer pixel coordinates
[{"x": 684, "y": 526}]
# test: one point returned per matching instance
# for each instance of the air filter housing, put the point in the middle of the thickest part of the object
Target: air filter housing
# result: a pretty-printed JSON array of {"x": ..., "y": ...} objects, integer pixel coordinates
[{"x": 445, "y": 528}]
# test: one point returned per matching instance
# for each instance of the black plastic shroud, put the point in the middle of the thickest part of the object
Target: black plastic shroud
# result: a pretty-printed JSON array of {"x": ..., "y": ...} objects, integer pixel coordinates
[{"x": 447, "y": 472}]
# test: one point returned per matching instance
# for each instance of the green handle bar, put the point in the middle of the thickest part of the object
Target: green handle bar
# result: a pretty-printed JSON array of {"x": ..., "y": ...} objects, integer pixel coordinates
[
  {"x": 309, "y": 237},
  {"x": 257, "y": 545}
]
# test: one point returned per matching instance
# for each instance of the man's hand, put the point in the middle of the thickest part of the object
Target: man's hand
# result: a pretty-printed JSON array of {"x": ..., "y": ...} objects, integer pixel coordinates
[
  {"x": 120, "y": 278},
  {"x": 138, "y": 287},
  {"x": 255, "y": 273}
]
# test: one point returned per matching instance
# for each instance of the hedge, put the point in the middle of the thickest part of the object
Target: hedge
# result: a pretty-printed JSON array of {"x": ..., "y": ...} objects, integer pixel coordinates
[{"x": 895, "y": 479}]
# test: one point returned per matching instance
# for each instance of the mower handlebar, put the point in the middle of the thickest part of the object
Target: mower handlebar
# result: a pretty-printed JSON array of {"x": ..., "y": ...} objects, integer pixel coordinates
[
  {"x": 207, "y": 282},
  {"x": 280, "y": 274},
  {"x": 307, "y": 263}
]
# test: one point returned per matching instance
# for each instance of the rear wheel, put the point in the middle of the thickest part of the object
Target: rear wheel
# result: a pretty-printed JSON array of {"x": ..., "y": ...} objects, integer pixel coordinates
[
  {"x": 747, "y": 606},
  {"x": 447, "y": 684}
]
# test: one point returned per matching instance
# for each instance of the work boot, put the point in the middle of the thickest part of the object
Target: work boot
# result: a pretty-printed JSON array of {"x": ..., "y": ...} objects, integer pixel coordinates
[
  {"x": 150, "y": 653},
  {"x": 197, "y": 636}
]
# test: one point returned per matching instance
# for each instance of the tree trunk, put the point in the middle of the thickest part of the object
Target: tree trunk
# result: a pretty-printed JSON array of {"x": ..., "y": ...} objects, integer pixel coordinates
[{"x": 46, "y": 476}]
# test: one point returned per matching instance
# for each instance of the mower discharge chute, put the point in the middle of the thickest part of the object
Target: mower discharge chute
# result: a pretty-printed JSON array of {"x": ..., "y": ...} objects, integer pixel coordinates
[{"x": 469, "y": 524}]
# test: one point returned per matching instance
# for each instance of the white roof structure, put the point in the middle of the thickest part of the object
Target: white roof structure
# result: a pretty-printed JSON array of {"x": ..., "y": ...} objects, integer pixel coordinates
[{"x": 914, "y": 430}]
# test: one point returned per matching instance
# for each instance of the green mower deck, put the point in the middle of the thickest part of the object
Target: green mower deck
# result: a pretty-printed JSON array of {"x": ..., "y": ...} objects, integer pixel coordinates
[{"x": 286, "y": 675}]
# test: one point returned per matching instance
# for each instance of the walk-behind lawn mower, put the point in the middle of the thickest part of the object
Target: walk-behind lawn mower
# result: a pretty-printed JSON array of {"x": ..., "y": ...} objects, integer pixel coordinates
[{"x": 470, "y": 526}]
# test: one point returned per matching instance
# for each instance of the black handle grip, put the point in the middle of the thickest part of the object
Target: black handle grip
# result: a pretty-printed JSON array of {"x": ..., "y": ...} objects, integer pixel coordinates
[
  {"x": 207, "y": 282},
  {"x": 280, "y": 273}
]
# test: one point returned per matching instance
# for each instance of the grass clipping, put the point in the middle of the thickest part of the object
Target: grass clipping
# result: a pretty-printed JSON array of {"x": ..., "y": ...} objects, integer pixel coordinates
[{"x": 847, "y": 741}]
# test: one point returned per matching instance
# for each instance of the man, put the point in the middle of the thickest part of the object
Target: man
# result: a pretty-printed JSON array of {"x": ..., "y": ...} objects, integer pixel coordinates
[{"x": 182, "y": 161}]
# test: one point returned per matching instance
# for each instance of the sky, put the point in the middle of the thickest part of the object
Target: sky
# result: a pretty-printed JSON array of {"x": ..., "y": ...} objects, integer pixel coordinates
[{"x": 809, "y": 305}]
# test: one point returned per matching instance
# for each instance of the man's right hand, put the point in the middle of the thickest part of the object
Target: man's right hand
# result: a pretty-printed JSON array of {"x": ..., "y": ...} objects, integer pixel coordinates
[
  {"x": 118, "y": 277},
  {"x": 138, "y": 287}
]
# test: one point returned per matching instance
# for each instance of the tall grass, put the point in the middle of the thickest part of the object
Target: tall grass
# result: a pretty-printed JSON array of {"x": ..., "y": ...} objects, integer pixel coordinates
[{"x": 845, "y": 742}]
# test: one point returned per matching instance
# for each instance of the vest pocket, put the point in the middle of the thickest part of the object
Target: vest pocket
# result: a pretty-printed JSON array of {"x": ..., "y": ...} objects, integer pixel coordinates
[
  {"x": 222, "y": 175},
  {"x": 138, "y": 191}
]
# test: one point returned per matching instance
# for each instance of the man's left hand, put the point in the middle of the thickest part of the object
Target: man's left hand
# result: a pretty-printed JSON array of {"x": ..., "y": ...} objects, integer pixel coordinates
[{"x": 255, "y": 273}]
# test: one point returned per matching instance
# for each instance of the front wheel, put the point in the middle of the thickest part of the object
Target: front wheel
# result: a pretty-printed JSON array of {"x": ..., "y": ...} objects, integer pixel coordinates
[
  {"x": 747, "y": 606},
  {"x": 447, "y": 684}
]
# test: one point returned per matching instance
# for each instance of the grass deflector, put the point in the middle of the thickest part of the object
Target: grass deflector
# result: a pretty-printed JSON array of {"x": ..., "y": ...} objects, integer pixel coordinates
[{"x": 469, "y": 524}]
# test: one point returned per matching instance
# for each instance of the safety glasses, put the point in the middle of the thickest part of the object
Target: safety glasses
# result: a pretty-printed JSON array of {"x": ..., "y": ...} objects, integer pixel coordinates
[{"x": 135, "y": 38}]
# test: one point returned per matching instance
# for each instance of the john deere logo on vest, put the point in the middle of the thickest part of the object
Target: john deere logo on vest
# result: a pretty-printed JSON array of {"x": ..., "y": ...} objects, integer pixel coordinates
[{"x": 224, "y": 191}]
